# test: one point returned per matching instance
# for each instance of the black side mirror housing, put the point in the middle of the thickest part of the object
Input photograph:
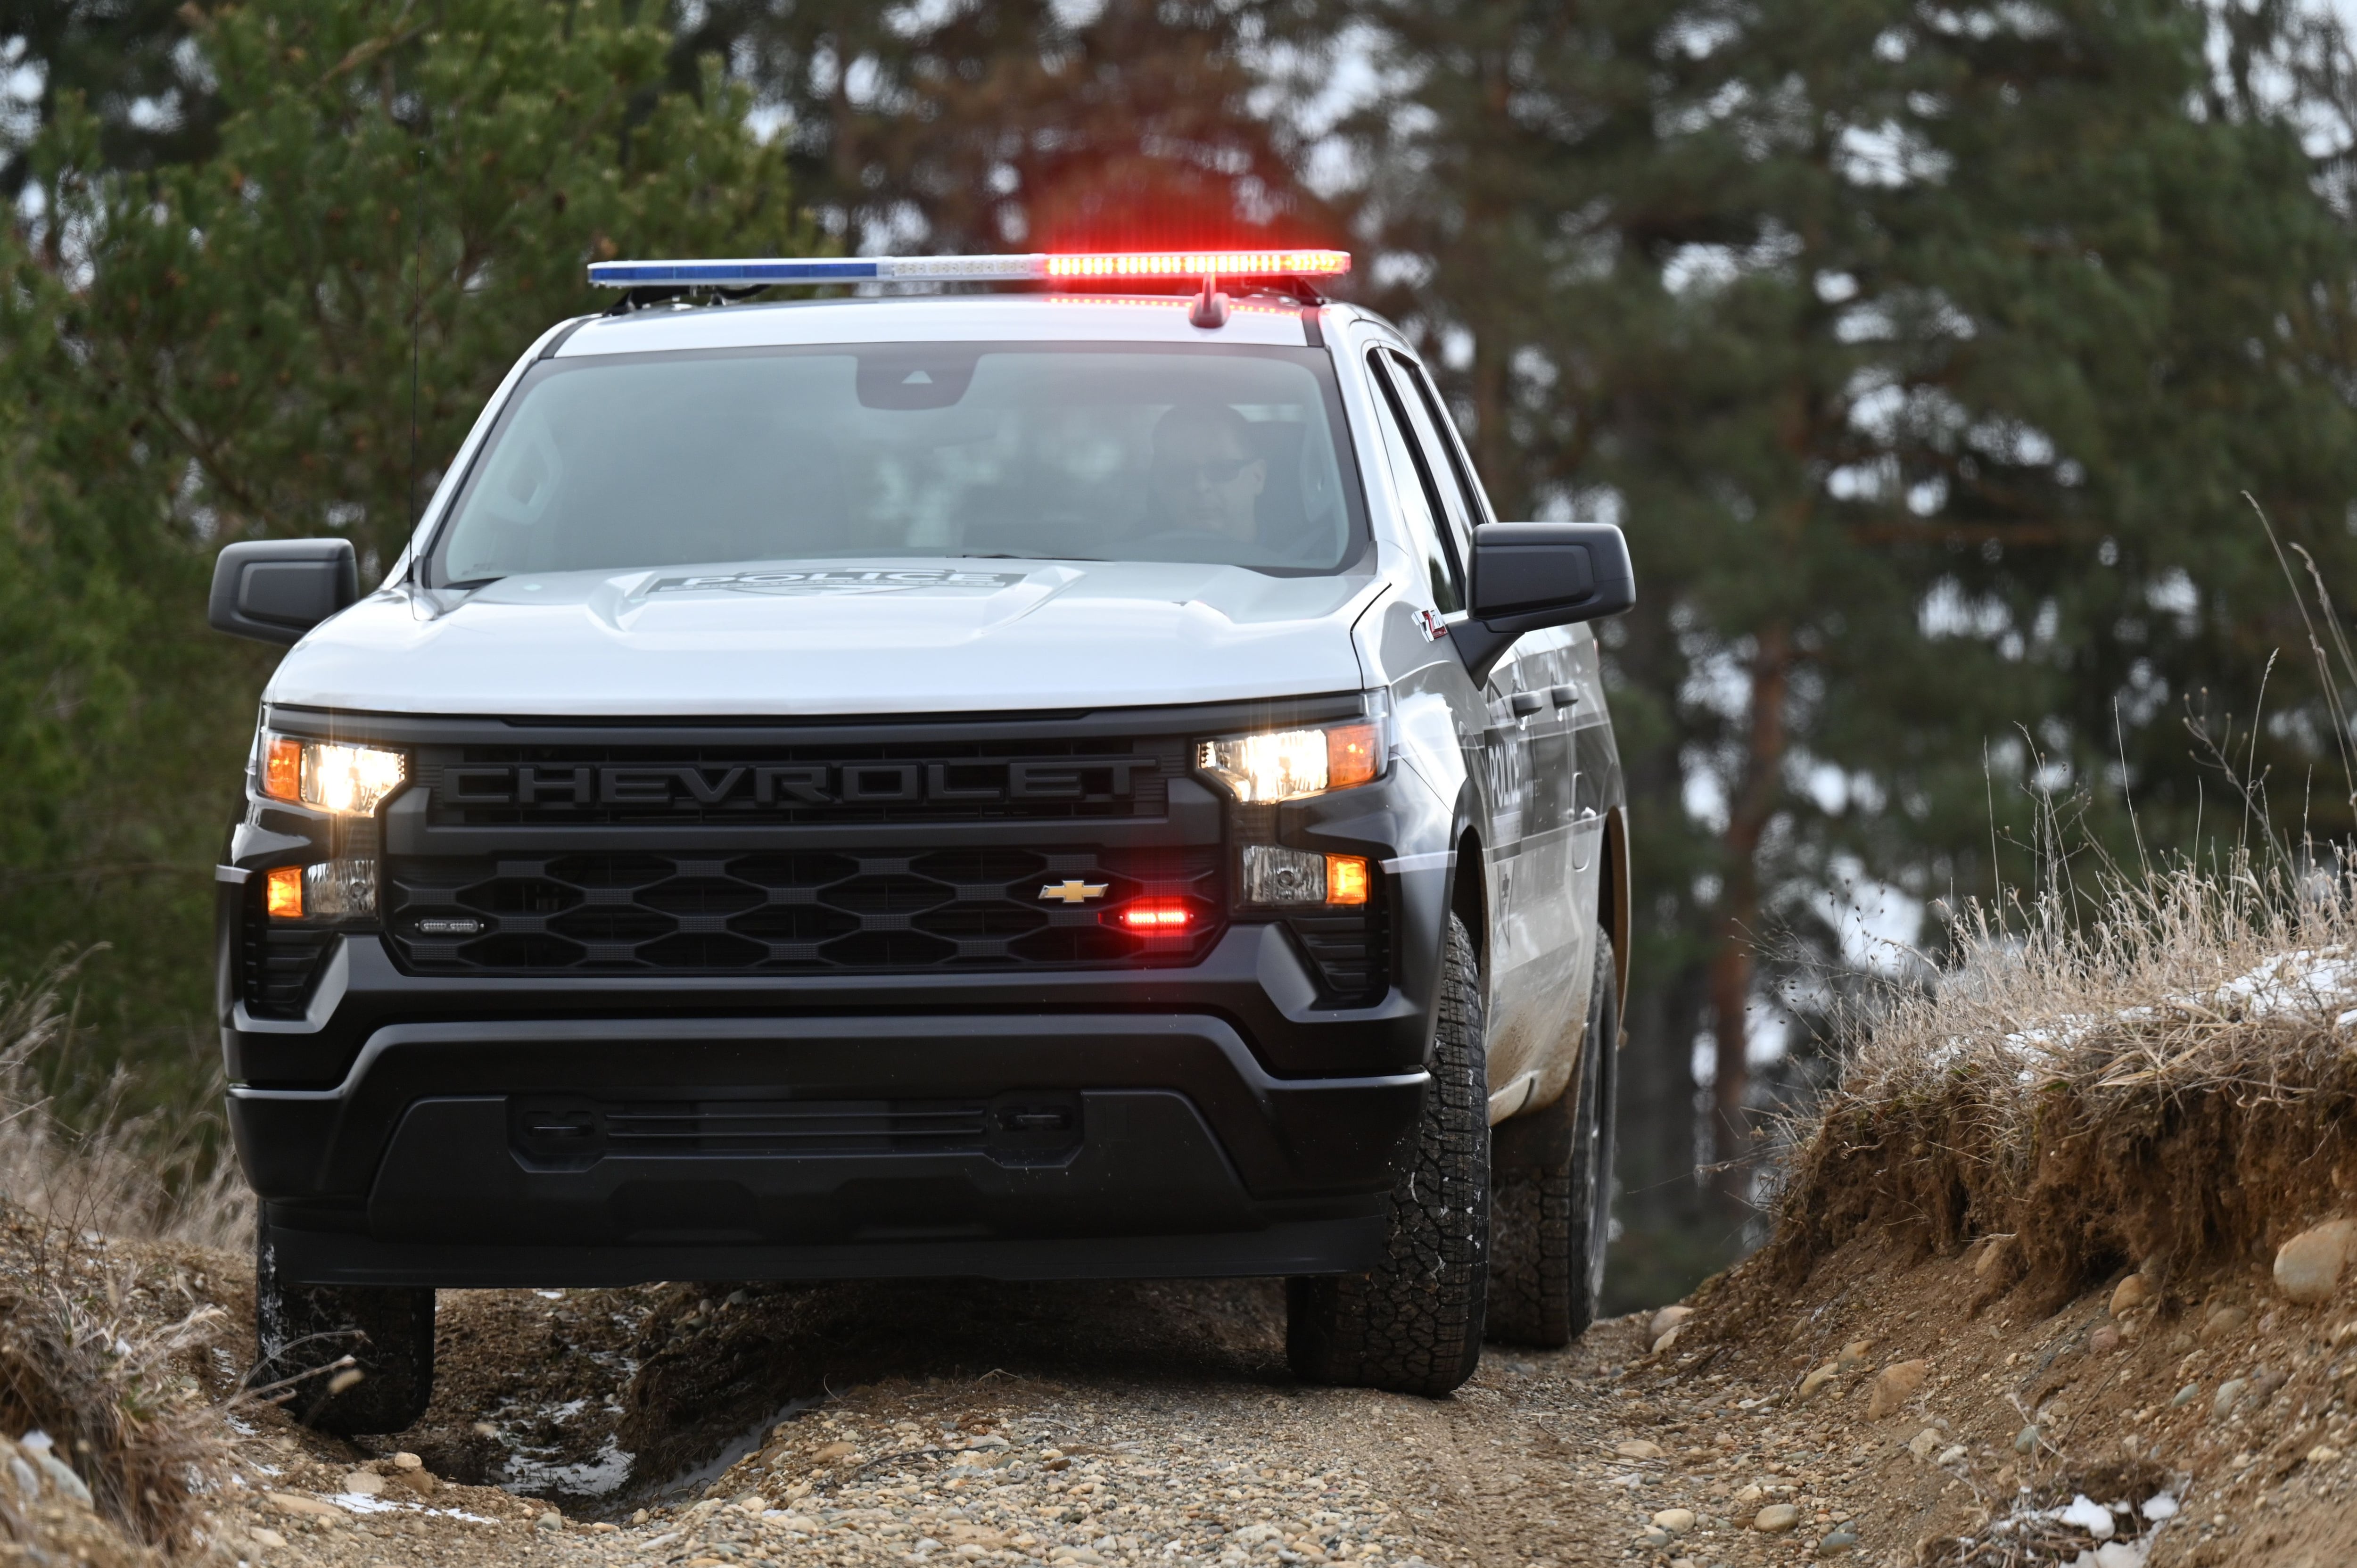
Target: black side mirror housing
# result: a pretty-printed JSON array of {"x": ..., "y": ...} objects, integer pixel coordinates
[
  {"x": 274, "y": 590},
  {"x": 1528, "y": 575}
]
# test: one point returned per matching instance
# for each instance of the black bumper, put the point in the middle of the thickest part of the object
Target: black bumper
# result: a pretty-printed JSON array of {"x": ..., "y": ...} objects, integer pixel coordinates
[{"x": 1171, "y": 1152}]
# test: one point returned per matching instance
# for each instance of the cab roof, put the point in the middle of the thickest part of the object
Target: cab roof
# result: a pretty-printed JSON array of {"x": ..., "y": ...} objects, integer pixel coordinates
[{"x": 961, "y": 318}]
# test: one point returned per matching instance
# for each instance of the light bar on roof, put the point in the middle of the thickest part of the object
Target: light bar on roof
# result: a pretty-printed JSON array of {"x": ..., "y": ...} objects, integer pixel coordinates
[{"x": 1039, "y": 266}]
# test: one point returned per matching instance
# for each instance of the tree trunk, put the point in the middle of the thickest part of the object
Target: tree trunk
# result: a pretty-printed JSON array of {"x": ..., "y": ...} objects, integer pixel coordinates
[{"x": 1753, "y": 805}]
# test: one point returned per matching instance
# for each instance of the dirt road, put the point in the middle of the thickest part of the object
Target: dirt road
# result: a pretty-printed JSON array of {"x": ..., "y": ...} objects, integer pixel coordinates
[
  {"x": 1097, "y": 1423},
  {"x": 1893, "y": 1407}
]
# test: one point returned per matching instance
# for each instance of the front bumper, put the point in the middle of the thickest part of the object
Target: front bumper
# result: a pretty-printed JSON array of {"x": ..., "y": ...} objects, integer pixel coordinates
[{"x": 1180, "y": 1154}]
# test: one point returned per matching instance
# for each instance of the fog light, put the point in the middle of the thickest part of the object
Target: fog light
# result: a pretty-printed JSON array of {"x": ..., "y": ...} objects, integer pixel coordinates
[
  {"x": 1277, "y": 875},
  {"x": 1274, "y": 875},
  {"x": 341, "y": 889}
]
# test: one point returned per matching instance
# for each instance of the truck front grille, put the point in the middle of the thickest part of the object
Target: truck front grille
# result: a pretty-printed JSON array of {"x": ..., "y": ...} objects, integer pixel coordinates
[{"x": 635, "y": 912}]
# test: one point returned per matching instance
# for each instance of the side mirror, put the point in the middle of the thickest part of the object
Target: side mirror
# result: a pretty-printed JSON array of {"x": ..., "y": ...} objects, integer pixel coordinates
[
  {"x": 1528, "y": 576},
  {"x": 274, "y": 590}
]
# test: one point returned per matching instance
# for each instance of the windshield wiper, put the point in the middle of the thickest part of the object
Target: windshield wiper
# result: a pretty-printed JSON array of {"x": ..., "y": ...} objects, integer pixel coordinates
[{"x": 1010, "y": 555}]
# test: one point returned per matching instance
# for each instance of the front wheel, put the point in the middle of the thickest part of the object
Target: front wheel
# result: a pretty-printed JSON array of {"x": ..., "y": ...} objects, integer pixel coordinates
[
  {"x": 1413, "y": 1324},
  {"x": 302, "y": 1331}
]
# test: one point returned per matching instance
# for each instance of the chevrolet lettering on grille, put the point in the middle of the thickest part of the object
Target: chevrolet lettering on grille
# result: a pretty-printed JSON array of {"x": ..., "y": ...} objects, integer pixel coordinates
[{"x": 788, "y": 785}]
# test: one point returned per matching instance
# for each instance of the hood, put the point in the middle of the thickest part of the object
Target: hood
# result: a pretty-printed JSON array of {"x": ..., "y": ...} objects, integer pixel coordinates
[{"x": 914, "y": 637}]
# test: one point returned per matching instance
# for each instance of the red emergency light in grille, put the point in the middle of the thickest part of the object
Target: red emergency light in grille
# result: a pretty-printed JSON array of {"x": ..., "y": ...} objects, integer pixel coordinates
[{"x": 1156, "y": 916}]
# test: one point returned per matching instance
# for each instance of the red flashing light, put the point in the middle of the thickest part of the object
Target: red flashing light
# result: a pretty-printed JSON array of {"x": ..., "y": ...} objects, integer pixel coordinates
[
  {"x": 1200, "y": 264},
  {"x": 1157, "y": 916}
]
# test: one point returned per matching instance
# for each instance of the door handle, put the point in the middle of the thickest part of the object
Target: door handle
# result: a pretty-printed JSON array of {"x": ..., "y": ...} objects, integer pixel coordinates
[
  {"x": 1564, "y": 696},
  {"x": 1527, "y": 703},
  {"x": 1586, "y": 815}
]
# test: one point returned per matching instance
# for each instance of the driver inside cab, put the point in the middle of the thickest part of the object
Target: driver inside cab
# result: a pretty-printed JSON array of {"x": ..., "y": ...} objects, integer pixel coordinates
[{"x": 1207, "y": 478}]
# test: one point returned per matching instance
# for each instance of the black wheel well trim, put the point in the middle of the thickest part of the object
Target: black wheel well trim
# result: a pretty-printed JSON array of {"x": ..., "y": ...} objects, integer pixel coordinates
[
  {"x": 1467, "y": 876},
  {"x": 1616, "y": 912}
]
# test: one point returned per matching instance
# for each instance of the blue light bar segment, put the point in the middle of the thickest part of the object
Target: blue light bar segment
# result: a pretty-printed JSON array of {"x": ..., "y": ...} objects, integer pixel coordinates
[
  {"x": 726, "y": 275},
  {"x": 808, "y": 270}
]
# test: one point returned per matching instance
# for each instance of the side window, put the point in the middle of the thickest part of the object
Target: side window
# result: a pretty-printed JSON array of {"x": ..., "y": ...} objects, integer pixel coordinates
[
  {"x": 1419, "y": 502},
  {"x": 1459, "y": 500}
]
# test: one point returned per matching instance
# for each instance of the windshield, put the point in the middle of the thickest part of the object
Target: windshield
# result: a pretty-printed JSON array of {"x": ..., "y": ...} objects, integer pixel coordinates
[{"x": 1215, "y": 453}]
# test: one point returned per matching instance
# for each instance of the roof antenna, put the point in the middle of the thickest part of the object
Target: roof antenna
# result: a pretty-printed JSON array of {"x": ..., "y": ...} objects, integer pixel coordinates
[
  {"x": 416, "y": 308},
  {"x": 1211, "y": 306}
]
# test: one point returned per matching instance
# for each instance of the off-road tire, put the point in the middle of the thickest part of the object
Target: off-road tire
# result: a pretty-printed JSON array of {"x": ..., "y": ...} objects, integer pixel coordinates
[
  {"x": 1414, "y": 1325},
  {"x": 388, "y": 1332},
  {"x": 1551, "y": 1198}
]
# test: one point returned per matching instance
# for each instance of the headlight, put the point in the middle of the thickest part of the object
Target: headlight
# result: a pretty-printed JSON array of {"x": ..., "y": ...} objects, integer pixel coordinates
[
  {"x": 349, "y": 780},
  {"x": 1286, "y": 765}
]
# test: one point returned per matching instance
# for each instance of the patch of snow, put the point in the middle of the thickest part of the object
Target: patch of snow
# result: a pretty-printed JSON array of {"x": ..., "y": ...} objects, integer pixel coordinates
[
  {"x": 2091, "y": 1517},
  {"x": 594, "y": 1477},
  {"x": 364, "y": 1502},
  {"x": 2160, "y": 1506},
  {"x": 2303, "y": 980},
  {"x": 2310, "y": 981}
]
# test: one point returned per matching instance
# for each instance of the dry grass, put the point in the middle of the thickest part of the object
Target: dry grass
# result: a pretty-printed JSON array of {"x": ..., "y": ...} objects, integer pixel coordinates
[
  {"x": 89, "y": 1355},
  {"x": 152, "y": 1176},
  {"x": 2171, "y": 1079},
  {"x": 96, "y": 1349}
]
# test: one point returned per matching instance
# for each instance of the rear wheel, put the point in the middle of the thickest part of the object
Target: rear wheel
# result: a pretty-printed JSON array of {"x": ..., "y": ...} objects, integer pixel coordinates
[
  {"x": 1414, "y": 1324},
  {"x": 1550, "y": 1207},
  {"x": 303, "y": 1330}
]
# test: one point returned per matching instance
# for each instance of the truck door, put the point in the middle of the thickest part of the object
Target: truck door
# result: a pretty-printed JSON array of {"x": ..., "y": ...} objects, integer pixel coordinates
[{"x": 1537, "y": 997}]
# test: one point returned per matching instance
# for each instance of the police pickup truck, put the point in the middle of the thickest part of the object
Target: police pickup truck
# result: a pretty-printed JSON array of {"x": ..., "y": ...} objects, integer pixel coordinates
[{"x": 1060, "y": 782}]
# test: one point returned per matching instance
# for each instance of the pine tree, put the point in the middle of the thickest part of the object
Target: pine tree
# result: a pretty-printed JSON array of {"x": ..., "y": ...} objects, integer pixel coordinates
[
  {"x": 227, "y": 352},
  {"x": 126, "y": 62},
  {"x": 1924, "y": 355}
]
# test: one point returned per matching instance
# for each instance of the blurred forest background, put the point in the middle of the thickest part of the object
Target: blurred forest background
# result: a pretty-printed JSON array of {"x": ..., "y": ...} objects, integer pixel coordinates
[{"x": 1927, "y": 350}]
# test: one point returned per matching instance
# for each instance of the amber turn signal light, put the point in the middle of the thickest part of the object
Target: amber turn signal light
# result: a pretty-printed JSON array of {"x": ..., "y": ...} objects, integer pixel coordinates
[
  {"x": 1354, "y": 753},
  {"x": 1346, "y": 879},
  {"x": 282, "y": 767},
  {"x": 282, "y": 893}
]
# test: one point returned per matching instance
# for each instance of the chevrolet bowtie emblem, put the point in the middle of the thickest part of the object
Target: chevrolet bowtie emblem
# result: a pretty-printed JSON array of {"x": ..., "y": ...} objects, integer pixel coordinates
[{"x": 1074, "y": 892}]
